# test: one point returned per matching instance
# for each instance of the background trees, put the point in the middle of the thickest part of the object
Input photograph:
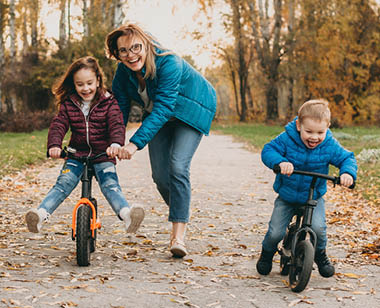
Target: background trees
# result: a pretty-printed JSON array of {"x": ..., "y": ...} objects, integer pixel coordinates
[{"x": 282, "y": 53}]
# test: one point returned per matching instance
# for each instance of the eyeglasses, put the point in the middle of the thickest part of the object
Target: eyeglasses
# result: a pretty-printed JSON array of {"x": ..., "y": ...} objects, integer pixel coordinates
[{"x": 135, "y": 49}]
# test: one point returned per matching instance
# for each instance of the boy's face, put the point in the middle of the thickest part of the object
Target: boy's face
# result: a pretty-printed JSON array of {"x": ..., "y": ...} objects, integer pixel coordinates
[{"x": 312, "y": 132}]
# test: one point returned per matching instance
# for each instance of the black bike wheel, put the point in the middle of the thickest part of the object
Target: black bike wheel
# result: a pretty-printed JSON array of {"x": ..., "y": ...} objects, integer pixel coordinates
[
  {"x": 83, "y": 235},
  {"x": 301, "y": 267},
  {"x": 284, "y": 265}
]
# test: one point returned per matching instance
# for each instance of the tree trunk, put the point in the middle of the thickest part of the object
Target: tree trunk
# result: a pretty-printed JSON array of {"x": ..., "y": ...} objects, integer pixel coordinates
[
  {"x": 12, "y": 30},
  {"x": 2, "y": 60},
  {"x": 86, "y": 31},
  {"x": 267, "y": 45},
  {"x": 242, "y": 63},
  {"x": 118, "y": 13},
  {"x": 62, "y": 25}
]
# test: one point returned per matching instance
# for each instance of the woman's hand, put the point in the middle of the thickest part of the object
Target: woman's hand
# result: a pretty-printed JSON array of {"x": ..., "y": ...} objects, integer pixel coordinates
[
  {"x": 127, "y": 151},
  {"x": 346, "y": 180},
  {"x": 286, "y": 168},
  {"x": 55, "y": 152}
]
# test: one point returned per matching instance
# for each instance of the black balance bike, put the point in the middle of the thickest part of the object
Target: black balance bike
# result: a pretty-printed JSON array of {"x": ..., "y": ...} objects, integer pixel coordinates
[
  {"x": 85, "y": 221},
  {"x": 298, "y": 246}
]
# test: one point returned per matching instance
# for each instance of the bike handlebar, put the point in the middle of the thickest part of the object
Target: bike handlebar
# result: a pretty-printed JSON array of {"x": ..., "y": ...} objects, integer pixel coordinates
[
  {"x": 65, "y": 153},
  {"x": 334, "y": 179}
]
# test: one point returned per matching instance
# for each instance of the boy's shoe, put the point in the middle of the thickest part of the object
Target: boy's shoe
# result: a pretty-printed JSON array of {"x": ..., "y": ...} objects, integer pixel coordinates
[
  {"x": 34, "y": 219},
  {"x": 325, "y": 268},
  {"x": 264, "y": 264},
  {"x": 178, "y": 248},
  {"x": 132, "y": 217}
]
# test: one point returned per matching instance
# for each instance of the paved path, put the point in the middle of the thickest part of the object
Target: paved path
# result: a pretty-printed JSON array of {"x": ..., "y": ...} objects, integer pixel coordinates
[{"x": 232, "y": 202}]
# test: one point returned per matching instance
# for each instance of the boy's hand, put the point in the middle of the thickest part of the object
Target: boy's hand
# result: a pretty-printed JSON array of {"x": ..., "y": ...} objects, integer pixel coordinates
[
  {"x": 55, "y": 152},
  {"x": 286, "y": 168},
  {"x": 346, "y": 180}
]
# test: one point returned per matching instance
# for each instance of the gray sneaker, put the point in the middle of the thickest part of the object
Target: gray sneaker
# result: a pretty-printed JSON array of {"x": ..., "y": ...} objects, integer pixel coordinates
[{"x": 34, "y": 219}]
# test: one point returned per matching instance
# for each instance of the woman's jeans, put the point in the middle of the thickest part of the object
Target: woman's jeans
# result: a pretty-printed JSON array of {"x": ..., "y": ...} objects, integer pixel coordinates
[
  {"x": 282, "y": 215},
  {"x": 69, "y": 177},
  {"x": 171, "y": 151}
]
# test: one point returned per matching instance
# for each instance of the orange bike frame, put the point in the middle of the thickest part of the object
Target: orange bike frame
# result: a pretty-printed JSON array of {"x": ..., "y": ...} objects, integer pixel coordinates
[{"x": 94, "y": 223}]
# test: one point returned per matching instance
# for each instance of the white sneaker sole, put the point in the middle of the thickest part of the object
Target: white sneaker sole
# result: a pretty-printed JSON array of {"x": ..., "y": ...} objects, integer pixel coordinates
[
  {"x": 32, "y": 220},
  {"x": 137, "y": 216}
]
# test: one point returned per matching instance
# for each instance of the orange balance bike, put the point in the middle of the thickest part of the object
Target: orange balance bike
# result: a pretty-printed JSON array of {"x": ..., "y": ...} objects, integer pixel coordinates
[{"x": 85, "y": 221}]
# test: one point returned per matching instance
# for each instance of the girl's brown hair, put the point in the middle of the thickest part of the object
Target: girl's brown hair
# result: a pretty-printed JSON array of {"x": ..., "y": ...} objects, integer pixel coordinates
[
  {"x": 133, "y": 30},
  {"x": 316, "y": 109},
  {"x": 64, "y": 86}
]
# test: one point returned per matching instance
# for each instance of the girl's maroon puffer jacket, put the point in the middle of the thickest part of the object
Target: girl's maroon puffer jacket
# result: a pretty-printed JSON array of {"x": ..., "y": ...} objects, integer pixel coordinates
[{"x": 91, "y": 135}]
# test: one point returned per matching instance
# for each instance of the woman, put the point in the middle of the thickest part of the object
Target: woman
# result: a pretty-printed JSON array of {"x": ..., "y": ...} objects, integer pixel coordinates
[{"x": 179, "y": 105}]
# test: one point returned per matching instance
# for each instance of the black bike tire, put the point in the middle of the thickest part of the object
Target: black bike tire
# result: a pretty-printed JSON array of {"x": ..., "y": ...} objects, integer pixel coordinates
[
  {"x": 284, "y": 266},
  {"x": 83, "y": 235},
  {"x": 300, "y": 270}
]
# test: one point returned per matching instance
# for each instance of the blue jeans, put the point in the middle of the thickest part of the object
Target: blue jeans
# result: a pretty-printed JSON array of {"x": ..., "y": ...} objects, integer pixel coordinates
[
  {"x": 282, "y": 215},
  {"x": 69, "y": 178},
  {"x": 170, "y": 152}
]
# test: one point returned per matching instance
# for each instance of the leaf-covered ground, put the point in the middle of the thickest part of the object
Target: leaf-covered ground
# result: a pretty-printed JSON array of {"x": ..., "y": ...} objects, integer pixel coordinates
[{"x": 231, "y": 206}]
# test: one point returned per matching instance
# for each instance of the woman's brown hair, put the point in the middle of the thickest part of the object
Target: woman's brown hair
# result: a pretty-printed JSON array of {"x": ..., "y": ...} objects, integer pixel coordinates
[
  {"x": 64, "y": 86},
  {"x": 133, "y": 30}
]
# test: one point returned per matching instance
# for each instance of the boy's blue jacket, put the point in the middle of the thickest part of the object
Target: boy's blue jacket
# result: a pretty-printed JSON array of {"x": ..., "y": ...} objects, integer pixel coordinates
[
  {"x": 177, "y": 90},
  {"x": 288, "y": 147}
]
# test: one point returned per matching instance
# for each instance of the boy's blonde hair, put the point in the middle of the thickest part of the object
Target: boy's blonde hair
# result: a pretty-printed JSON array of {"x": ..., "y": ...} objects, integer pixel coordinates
[{"x": 316, "y": 109}]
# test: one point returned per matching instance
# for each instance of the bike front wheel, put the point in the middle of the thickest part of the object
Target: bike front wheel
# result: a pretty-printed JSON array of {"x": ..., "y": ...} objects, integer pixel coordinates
[
  {"x": 301, "y": 266},
  {"x": 83, "y": 235}
]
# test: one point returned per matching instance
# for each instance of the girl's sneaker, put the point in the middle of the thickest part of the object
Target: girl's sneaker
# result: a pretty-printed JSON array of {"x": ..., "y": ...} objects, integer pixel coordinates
[
  {"x": 132, "y": 217},
  {"x": 34, "y": 219}
]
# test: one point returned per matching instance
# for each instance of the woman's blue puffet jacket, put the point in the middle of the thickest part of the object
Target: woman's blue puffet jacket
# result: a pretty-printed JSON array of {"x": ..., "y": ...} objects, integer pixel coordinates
[{"x": 177, "y": 90}]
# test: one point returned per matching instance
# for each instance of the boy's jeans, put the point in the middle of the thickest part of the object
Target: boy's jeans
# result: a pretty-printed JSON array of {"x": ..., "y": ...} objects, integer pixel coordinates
[
  {"x": 69, "y": 177},
  {"x": 170, "y": 152},
  {"x": 281, "y": 217}
]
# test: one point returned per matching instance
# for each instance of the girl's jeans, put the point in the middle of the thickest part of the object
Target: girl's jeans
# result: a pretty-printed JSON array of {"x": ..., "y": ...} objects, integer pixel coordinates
[
  {"x": 170, "y": 152},
  {"x": 69, "y": 177},
  {"x": 281, "y": 216}
]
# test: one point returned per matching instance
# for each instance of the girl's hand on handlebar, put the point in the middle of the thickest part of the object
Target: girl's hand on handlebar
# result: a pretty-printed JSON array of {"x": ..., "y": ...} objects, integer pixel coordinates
[
  {"x": 286, "y": 168},
  {"x": 127, "y": 151},
  {"x": 113, "y": 151},
  {"x": 55, "y": 152},
  {"x": 346, "y": 180}
]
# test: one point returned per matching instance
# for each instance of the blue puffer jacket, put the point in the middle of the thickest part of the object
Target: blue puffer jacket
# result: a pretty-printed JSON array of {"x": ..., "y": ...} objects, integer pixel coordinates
[
  {"x": 288, "y": 147},
  {"x": 178, "y": 90}
]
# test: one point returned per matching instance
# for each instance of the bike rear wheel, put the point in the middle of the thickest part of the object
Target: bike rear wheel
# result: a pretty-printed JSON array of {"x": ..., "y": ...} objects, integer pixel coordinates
[
  {"x": 301, "y": 267},
  {"x": 83, "y": 235}
]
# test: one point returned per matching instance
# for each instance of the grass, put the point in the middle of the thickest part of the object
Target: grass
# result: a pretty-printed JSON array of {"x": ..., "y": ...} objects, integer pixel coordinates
[
  {"x": 354, "y": 139},
  {"x": 20, "y": 150}
]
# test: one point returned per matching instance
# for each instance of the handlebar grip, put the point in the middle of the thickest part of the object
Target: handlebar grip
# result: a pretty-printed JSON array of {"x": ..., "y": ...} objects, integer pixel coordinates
[
  {"x": 352, "y": 186},
  {"x": 63, "y": 154},
  {"x": 277, "y": 169}
]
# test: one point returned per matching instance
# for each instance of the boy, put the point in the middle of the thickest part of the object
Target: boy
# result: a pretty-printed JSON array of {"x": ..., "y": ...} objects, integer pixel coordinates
[{"x": 307, "y": 144}]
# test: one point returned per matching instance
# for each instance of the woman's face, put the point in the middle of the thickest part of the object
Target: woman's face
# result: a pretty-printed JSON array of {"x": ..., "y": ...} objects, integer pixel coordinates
[{"x": 132, "y": 52}]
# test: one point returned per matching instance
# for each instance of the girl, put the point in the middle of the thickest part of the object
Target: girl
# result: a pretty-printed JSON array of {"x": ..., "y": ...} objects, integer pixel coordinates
[
  {"x": 94, "y": 118},
  {"x": 179, "y": 106}
]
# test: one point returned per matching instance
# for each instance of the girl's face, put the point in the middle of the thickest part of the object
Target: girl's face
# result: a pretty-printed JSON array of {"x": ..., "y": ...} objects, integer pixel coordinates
[
  {"x": 132, "y": 52},
  {"x": 312, "y": 132},
  {"x": 86, "y": 83}
]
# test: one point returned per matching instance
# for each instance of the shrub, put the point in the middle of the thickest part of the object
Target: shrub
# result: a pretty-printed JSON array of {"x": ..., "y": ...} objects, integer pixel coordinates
[{"x": 21, "y": 122}]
